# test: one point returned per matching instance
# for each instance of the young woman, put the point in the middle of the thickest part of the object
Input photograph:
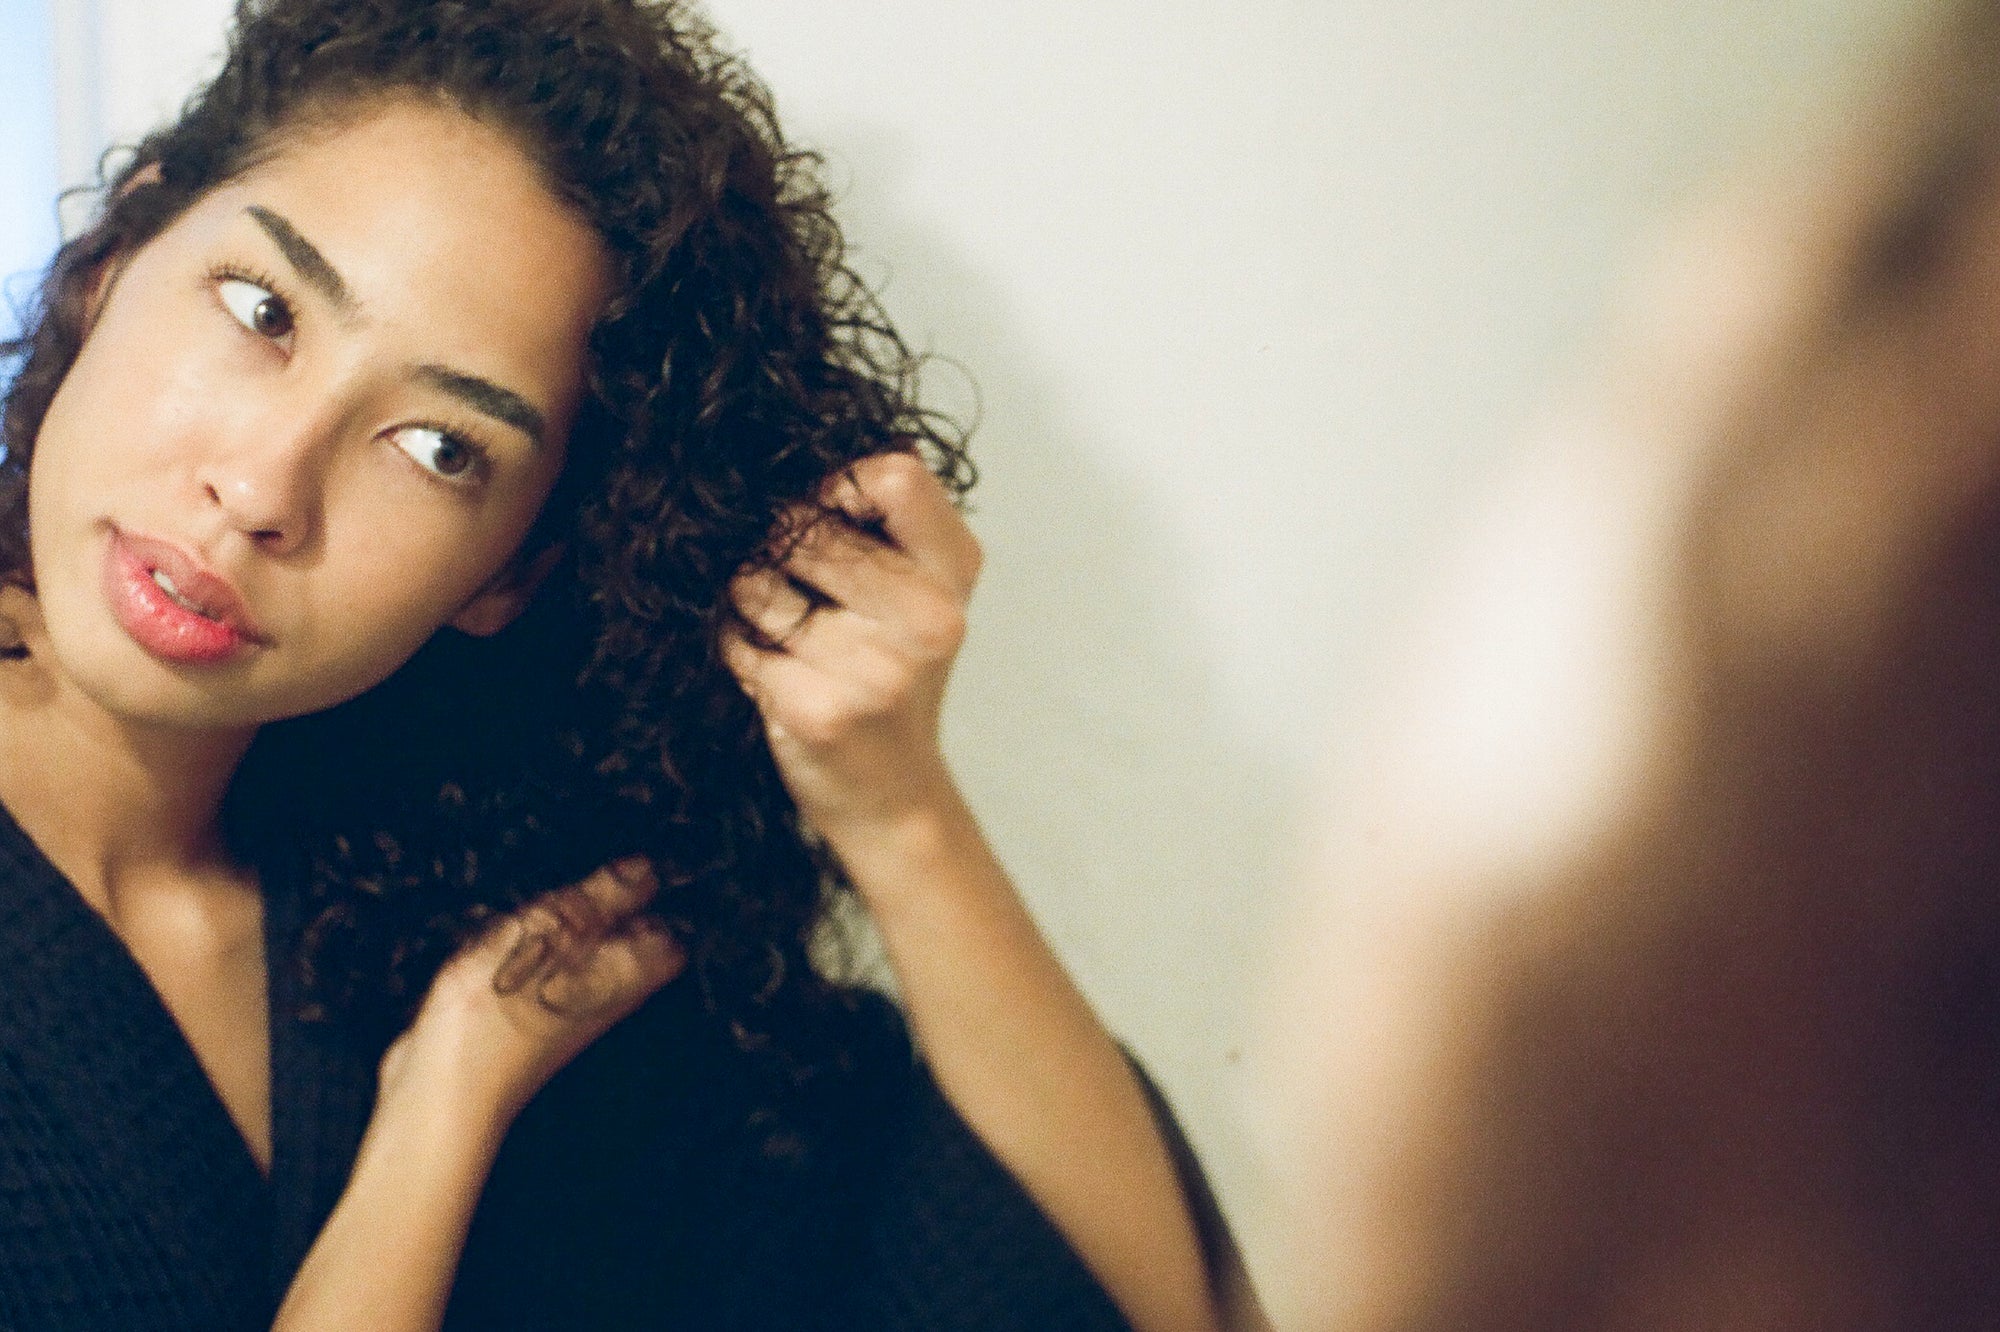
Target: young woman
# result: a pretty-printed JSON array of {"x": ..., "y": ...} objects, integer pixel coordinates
[{"x": 457, "y": 459}]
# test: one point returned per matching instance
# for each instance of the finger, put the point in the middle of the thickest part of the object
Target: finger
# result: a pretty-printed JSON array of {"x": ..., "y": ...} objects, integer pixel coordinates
[
  {"x": 615, "y": 891},
  {"x": 802, "y": 700},
  {"x": 621, "y": 973},
  {"x": 563, "y": 931},
  {"x": 853, "y": 570},
  {"x": 898, "y": 492},
  {"x": 558, "y": 930},
  {"x": 897, "y": 611},
  {"x": 544, "y": 938},
  {"x": 773, "y": 604},
  {"x": 871, "y": 659},
  {"x": 746, "y": 661},
  {"x": 527, "y": 956}
]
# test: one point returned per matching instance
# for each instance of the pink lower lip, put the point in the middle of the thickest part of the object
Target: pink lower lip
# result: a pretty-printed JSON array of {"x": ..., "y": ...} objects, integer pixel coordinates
[{"x": 155, "y": 621}]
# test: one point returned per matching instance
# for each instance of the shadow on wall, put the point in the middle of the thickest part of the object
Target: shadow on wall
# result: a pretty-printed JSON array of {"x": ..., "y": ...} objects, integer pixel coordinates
[{"x": 1083, "y": 723}]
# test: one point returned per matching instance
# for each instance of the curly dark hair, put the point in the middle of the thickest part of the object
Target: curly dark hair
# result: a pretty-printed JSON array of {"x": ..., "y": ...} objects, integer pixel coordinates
[{"x": 739, "y": 364}]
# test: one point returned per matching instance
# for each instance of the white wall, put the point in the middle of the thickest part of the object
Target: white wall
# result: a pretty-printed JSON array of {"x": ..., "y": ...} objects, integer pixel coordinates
[
  {"x": 1253, "y": 292},
  {"x": 124, "y": 65},
  {"x": 27, "y": 151}
]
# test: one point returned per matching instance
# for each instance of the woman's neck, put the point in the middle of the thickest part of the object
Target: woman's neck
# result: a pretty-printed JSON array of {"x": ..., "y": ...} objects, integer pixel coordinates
[{"x": 112, "y": 802}]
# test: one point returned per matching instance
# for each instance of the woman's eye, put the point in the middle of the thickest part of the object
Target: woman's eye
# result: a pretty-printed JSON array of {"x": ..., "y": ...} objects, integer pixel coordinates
[
  {"x": 256, "y": 308},
  {"x": 437, "y": 452}
]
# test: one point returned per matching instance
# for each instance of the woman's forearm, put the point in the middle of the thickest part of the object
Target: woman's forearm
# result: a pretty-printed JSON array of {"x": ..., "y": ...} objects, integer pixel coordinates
[
  {"x": 388, "y": 1255},
  {"x": 1020, "y": 1054},
  {"x": 850, "y": 683}
]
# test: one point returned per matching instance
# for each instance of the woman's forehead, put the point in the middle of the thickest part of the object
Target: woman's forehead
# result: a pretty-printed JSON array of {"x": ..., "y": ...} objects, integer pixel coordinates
[
  {"x": 407, "y": 151},
  {"x": 423, "y": 217}
]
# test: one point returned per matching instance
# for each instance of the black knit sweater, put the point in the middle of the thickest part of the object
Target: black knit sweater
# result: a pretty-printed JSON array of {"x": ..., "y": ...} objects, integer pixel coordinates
[{"x": 627, "y": 1194}]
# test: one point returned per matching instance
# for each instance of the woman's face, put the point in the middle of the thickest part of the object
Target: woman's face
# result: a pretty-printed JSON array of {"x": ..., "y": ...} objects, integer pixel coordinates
[{"x": 312, "y": 422}]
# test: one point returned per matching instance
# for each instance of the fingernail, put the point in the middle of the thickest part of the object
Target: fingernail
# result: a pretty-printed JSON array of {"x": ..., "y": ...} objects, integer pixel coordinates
[
  {"x": 653, "y": 927},
  {"x": 633, "y": 871}
]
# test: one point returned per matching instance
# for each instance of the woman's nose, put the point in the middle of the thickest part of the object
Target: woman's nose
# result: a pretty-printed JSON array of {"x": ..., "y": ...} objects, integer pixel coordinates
[{"x": 270, "y": 490}]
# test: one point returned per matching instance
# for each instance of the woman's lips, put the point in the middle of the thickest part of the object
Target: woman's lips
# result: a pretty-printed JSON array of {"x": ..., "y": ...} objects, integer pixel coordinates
[{"x": 201, "y": 621}]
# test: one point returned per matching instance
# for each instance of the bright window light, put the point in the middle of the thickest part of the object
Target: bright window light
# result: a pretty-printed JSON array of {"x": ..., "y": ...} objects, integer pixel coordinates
[{"x": 27, "y": 152}]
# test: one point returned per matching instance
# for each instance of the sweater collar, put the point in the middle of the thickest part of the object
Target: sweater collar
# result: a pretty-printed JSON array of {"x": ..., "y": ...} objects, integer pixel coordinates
[
  {"x": 84, "y": 1020},
  {"x": 92, "y": 1034}
]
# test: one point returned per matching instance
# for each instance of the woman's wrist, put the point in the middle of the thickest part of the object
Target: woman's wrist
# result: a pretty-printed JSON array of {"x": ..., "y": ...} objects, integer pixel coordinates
[
  {"x": 458, "y": 1128},
  {"x": 387, "y": 1256},
  {"x": 893, "y": 800},
  {"x": 437, "y": 1090},
  {"x": 910, "y": 850}
]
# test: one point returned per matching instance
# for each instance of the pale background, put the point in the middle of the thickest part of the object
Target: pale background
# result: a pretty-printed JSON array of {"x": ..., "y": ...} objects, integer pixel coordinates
[
  {"x": 1254, "y": 294},
  {"x": 27, "y": 149}
]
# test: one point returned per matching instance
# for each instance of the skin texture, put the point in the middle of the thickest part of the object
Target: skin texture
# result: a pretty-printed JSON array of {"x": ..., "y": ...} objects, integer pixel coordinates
[
  {"x": 853, "y": 689},
  {"x": 727, "y": 266}
]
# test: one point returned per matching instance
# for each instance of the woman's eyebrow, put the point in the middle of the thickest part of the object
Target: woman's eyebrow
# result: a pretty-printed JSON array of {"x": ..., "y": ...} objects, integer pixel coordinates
[
  {"x": 312, "y": 266},
  {"x": 483, "y": 395}
]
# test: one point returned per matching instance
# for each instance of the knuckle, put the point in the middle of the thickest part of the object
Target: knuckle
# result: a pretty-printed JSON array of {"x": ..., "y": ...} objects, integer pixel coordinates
[
  {"x": 894, "y": 477},
  {"x": 808, "y": 541},
  {"x": 753, "y": 594},
  {"x": 939, "y": 626},
  {"x": 579, "y": 913}
]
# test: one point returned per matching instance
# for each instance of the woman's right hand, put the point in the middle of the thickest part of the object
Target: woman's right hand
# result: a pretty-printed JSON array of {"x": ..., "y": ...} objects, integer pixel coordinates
[
  {"x": 520, "y": 1001},
  {"x": 509, "y": 1010}
]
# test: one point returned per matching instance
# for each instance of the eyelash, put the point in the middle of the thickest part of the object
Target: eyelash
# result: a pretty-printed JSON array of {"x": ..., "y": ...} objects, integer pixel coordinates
[
  {"x": 479, "y": 460},
  {"x": 222, "y": 273}
]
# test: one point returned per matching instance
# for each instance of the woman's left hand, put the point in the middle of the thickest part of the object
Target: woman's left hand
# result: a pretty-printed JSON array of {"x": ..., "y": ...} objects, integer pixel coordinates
[
  {"x": 859, "y": 625},
  {"x": 861, "y": 622}
]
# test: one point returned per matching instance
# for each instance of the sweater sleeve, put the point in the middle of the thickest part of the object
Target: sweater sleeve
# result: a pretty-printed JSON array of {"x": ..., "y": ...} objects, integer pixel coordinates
[{"x": 951, "y": 1242}]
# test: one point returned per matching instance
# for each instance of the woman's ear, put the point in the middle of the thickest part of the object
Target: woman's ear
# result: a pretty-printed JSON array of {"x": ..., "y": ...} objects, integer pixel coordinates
[{"x": 496, "y": 605}]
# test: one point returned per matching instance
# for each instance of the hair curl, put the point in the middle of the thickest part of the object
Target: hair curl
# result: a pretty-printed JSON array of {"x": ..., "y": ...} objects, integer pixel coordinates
[{"x": 739, "y": 364}]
